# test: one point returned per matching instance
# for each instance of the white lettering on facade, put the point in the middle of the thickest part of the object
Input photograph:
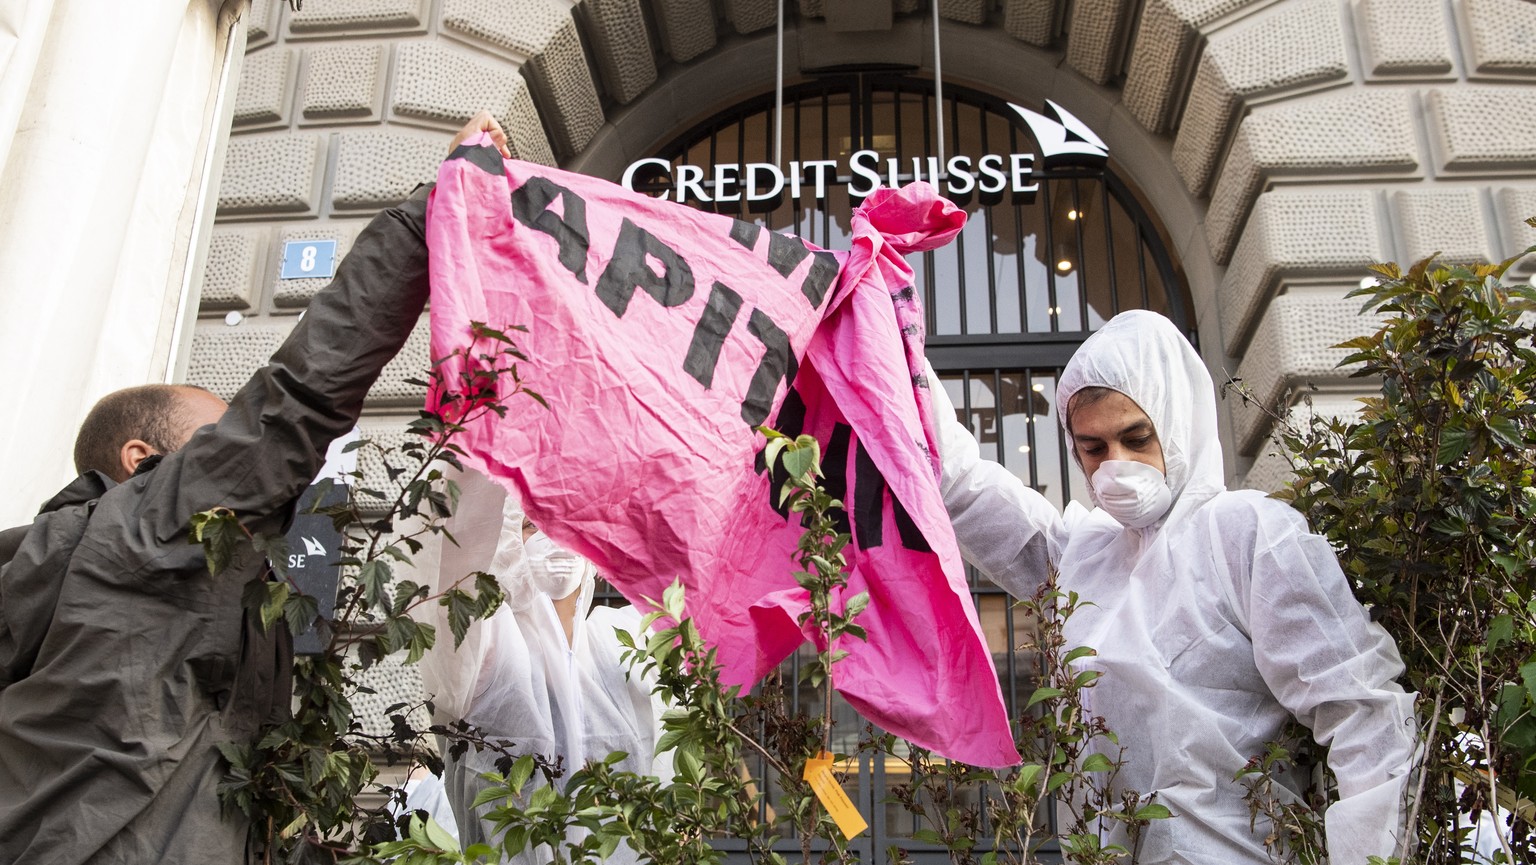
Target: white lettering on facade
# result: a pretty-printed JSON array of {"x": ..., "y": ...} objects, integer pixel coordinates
[{"x": 1063, "y": 139}]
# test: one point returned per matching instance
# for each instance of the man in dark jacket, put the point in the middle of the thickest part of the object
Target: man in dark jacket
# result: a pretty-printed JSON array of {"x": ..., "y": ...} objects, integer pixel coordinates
[{"x": 123, "y": 663}]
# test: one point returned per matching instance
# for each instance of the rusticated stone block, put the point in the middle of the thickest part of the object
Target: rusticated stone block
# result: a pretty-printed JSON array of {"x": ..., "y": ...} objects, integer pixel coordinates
[
  {"x": 1296, "y": 235},
  {"x": 1516, "y": 204},
  {"x": 266, "y": 80},
  {"x": 813, "y": 9},
  {"x": 389, "y": 433},
  {"x": 296, "y": 293},
  {"x": 436, "y": 82},
  {"x": 345, "y": 82},
  {"x": 1165, "y": 40},
  {"x": 328, "y": 17},
  {"x": 386, "y": 683},
  {"x": 687, "y": 27},
  {"x": 1404, "y": 37},
  {"x": 1272, "y": 470},
  {"x": 560, "y": 79},
  {"x": 964, "y": 11},
  {"x": 621, "y": 45},
  {"x": 230, "y": 275},
  {"x": 1094, "y": 37},
  {"x": 271, "y": 174},
  {"x": 1444, "y": 221},
  {"x": 413, "y": 362},
  {"x": 1501, "y": 36},
  {"x": 750, "y": 16},
  {"x": 1294, "y": 347},
  {"x": 907, "y": 7},
  {"x": 379, "y": 169},
  {"x": 224, "y": 357},
  {"x": 1480, "y": 128},
  {"x": 1031, "y": 21},
  {"x": 1354, "y": 132},
  {"x": 1301, "y": 43},
  {"x": 545, "y": 34},
  {"x": 260, "y": 23},
  {"x": 525, "y": 134}
]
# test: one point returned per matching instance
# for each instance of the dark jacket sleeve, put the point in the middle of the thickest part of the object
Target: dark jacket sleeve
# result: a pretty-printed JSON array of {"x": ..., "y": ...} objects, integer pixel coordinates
[
  {"x": 270, "y": 444},
  {"x": 10, "y": 541}
]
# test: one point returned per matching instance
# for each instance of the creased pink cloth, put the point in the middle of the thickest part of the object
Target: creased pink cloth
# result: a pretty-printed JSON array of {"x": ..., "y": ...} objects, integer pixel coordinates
[{"x": 660, "y": 336}]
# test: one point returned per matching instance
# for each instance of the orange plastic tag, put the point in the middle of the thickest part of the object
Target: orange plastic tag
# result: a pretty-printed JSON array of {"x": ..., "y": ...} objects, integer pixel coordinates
[{"x": 818, "y": 771}]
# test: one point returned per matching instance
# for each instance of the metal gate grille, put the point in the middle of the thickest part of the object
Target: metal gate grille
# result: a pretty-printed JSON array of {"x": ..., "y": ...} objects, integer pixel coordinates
[{"x": 1027, "y": 280}]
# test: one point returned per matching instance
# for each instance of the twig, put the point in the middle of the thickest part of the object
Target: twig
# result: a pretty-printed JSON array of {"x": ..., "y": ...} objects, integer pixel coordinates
[{"x": 1418, "y": 796}]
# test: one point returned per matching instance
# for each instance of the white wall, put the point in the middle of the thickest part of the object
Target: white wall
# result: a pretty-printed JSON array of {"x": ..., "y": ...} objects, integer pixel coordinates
[{"x": 113, "y": 118}]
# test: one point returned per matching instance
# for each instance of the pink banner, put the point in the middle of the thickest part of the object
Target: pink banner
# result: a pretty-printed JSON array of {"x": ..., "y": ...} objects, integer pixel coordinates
[{"x": 661, "y": 337}]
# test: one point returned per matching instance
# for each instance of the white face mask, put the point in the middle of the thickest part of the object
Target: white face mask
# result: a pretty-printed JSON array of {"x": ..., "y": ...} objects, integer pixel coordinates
[
  {"x": 554, "y": 571},
  {"x": 1135, "y": 494}
]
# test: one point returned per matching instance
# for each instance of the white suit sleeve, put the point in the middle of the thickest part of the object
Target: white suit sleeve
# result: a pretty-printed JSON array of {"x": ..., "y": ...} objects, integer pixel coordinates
[
  {"x": 1004, "y": 528},
  {"x": 1335, "y": 670},
  {"x": 449, "y": 674}
]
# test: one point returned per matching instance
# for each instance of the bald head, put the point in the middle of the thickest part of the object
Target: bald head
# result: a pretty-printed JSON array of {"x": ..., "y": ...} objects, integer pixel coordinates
[{"x": 128, "y": 425}]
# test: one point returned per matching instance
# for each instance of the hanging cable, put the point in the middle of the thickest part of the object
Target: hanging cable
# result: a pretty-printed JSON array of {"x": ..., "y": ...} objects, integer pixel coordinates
[
  {"x": 778, "y": 98},
  {"x": 938, "y": 87}
]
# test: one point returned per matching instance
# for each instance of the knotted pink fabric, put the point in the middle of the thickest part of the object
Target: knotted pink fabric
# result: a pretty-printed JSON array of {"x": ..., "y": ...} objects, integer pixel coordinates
[{"x": 661, "y": 337}]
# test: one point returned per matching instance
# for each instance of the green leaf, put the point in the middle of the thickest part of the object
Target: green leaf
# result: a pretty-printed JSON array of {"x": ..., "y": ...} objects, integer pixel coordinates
[
  {"x": 1043, "y": 694},
  {"x": 1153, "y": 812},
  {"x": 1079, "y": 652},
  {"x": 438, "y": 837},
  {"x": 275, "y": 549},
  {"x": 374, "y": 577},
  {"x": 301, "y": 612},
  {"x": 1029, "y": 776},
  {"x": 672, "y": 600},
  {"x": 461, "y": 612},
  {"x": 1500, "y": 631},
  {"x": 522, "y": 770},
  {"x": 220, "y": 533},
  {"x": 856, "y": 604},
  {"x": 1097, "y": 763},
  {"x": 272, "y": 609},
  {"x": 1455, "y": 442},
  {"x": 800, "y": 459}
]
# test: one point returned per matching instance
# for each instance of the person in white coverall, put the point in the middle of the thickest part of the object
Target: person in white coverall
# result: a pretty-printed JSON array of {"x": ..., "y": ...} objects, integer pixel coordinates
[
  {"x": 544, "y": 671},
  {"x": 1215, "y": 614}
]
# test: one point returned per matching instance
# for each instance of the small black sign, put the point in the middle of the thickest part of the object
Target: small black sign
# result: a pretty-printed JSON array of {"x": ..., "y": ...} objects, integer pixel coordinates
[{"x": 314, "y": 550}]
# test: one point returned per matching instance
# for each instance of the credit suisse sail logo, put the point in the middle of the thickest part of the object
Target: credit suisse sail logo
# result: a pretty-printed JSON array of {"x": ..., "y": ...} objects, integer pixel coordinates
[{"x": 1064, "y": 141}]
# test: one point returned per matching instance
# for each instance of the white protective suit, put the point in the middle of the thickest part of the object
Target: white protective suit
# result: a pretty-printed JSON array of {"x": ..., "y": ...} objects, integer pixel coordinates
[
  {"x": 516, "y": 677},
  {"x": 1213, "y": 626}
]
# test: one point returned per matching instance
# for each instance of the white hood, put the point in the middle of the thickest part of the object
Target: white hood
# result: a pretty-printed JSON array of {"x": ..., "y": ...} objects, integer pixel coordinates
[{"x": 1142, "y": 355}]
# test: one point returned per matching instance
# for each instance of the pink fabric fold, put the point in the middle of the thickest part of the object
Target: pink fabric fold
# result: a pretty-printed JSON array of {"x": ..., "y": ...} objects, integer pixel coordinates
[{"x": 661, "y": 336}]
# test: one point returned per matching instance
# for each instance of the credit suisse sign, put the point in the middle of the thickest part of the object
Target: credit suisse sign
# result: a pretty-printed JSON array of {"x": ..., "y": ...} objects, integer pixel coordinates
[{"x": 1063, "y": 140}]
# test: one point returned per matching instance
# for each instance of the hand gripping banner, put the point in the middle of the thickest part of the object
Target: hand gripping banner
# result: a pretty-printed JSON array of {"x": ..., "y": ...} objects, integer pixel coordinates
[{"x": 661, "y": 337}]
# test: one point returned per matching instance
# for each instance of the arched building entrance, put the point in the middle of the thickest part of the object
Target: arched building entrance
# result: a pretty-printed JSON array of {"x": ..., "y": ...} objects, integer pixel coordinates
[{"x": 1053, "y": 247}]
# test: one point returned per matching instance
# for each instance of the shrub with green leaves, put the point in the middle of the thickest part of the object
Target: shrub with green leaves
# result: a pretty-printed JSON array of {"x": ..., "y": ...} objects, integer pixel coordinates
[
  {"x": 299, "y": 782},
  {"x": 1430, "y": 500}
]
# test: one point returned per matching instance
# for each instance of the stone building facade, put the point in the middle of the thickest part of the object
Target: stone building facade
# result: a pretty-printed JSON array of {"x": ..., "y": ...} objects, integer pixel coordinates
[{"x": 1282, "y": 144}]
